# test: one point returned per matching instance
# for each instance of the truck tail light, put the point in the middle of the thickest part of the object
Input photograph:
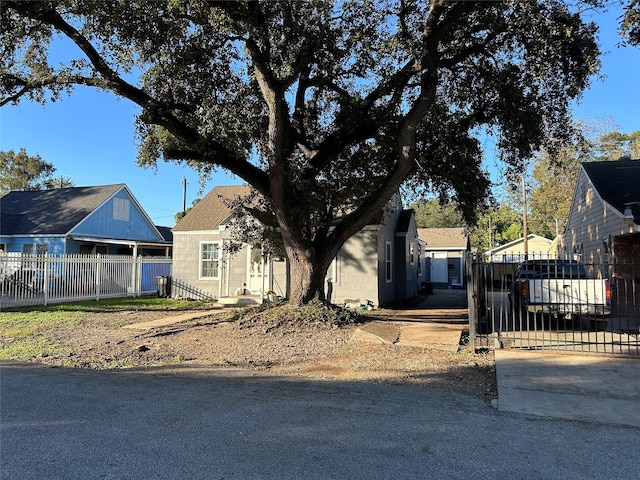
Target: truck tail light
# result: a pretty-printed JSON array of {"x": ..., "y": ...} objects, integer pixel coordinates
[
  {"x": 607, "y": 291},
  {"x": 525, "y": 291}
]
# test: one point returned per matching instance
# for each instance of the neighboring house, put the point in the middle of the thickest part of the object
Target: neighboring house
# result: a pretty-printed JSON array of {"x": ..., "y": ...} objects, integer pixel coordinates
[
  {"x": 603, "y": 229},
  {"x": 445, "y": 255},
  {"x": 79, "y": 220},
  {"x": 379, "y": 264},
  {"x": 513, "y": 252},
  {"x": 604, "y": 219}
]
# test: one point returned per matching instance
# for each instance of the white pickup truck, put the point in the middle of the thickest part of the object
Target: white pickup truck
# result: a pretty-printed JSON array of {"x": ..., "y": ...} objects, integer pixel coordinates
[{"x": 560, "y": 288}]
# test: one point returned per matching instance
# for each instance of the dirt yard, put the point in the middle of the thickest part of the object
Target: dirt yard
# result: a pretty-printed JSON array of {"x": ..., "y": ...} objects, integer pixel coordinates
[{"x": 318, "y": 351}]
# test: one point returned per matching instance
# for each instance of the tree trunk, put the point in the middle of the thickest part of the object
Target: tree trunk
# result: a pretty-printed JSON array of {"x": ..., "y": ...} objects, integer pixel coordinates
[{"x": 307, "y": 276}]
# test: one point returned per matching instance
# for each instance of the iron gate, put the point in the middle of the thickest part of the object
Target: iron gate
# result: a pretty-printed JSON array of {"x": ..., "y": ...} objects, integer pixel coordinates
[{"x": 496, "y": 322}]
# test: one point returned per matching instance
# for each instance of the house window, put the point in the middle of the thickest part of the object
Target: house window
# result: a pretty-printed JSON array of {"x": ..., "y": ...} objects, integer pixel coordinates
[
  {"x": 388, "y": 261},
  {"x": 210, "y": 260},
  {"x": 412, "y": 254},
  {"x": 35, "y": 248},
  {"x": 121, "y": 209}
]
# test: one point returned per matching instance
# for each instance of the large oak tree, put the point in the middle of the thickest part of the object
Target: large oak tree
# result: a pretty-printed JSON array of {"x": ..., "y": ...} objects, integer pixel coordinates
[{"x": 325, "y": 108}]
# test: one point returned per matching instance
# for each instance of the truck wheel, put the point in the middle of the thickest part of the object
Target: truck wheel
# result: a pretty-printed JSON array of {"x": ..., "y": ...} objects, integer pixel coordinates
[{"x": 598, "y": 325}]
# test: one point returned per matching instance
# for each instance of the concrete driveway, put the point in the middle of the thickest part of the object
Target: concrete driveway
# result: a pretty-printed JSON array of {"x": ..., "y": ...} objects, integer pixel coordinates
[
  {"x": 196, "y": 423},
  {"x": 594, "y": 388}
]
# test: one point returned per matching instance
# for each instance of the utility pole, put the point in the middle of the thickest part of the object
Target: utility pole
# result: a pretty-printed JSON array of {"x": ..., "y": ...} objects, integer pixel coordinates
[
  {"x": 524, "y": 220},
  {"x": 184, "y": 195}
]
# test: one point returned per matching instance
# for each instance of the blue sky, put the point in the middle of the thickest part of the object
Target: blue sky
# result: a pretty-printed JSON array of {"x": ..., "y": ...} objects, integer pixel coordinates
[{"x": 89, "y": 136}]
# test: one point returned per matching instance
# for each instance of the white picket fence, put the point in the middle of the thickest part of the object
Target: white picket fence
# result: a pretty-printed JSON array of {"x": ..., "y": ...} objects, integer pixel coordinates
[{"x": 28, "y": 280}]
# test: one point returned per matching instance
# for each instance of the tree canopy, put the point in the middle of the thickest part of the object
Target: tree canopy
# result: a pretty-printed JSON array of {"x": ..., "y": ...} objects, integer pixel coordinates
[
  {"x": 324, "y": 108},
  {"x": 20, "y": 171},
  {"x": 555, "y": 178}
]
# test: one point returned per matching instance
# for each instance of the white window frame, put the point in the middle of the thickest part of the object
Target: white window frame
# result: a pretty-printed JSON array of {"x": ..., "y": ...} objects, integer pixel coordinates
[
  {"x": 388, "y": 262},
  {"x": 217, "y": 259},
  {"x": 412, "y": 253}
]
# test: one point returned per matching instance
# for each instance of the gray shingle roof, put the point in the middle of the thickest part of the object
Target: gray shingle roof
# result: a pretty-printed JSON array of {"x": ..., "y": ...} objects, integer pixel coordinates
[
  {"x": 51, "y": 212},
  {"x": 444, "y": 238},
  {"x": 617, "y": 183},
  {"x": 209, "y": 212}
]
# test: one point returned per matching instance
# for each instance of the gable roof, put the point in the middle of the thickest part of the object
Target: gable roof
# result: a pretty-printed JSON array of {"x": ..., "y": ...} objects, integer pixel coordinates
[
  {"x": 444, "y": 238},
  {"x": 51, "y": 212},
  {"x": 212, "y": 210},
  {"x": 617, "y": 183},
  {"x": 166, "y": 233},
  {"x": 531, "y": 237},
  {"x": 404, "y": 221}
]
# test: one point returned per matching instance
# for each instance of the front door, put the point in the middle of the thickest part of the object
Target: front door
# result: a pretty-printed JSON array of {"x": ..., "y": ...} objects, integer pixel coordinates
[
  {"x": 439, "y": 267},
  {"x": 257, "y": 277}
]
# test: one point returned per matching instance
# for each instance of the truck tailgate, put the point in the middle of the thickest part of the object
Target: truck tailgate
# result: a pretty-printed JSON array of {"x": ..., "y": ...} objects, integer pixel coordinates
[{"x": 568, "y": 291}]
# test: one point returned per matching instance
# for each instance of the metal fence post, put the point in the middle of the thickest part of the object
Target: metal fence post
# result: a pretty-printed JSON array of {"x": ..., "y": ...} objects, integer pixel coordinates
[
  {"x": 471, "y": 302},
  {"x": 137, "y": 279},
  {"x": 45, "y": 286},
  {"x": 98, "y": 273}
]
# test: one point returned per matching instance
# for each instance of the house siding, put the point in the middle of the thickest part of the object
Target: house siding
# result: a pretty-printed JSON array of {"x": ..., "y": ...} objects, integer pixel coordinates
[
  {"x": 387, "y": 233},
  {"x": 407, "y": 272},
  {"x": 356, "y": 274},
  {"x": 591, "y": 222},
  {"x": 101, "y": 223},
  {"x": 232, "y": 277},
  {"x": 278, "y": 280},
  {"x": 357, "y": 270},
  {"x": 186, "y": 281},
  {"x": 538, "y": 247},
  {"x": 55, "y": 245}
]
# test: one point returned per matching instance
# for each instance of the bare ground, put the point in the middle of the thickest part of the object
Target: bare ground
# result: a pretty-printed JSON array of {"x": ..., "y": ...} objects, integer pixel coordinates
[{"x": 316, "y": 350}]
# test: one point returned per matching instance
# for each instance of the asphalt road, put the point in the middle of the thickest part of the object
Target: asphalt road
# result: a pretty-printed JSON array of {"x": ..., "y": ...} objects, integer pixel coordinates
[{"x": 196, "y": 424}]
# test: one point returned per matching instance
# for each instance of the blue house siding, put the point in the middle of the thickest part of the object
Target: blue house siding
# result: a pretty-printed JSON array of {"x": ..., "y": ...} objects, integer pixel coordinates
[
  {"x": 123, "y": 221},
  {"x": 55, "y": 245},
  {"x": 99, "y": 219}
]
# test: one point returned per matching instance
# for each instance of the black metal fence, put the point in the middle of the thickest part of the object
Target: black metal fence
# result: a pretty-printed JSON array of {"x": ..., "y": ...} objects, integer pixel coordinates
[{"x": 597, "y": 311}]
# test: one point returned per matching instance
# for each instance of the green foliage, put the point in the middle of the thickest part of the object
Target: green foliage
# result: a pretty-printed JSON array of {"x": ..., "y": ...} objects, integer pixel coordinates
[
  {"x": 555, "y": 177},
  {"x": 325, "y": 108},
  {"x": 496, "y": 227},
  {"x": 27, "y": 323},
  {"x": 31, "y": 347},
  {"x": 22, "y": 333},
  {"x": 630, "y": 25},
  {"x": 115, "y": 304},
  {"x": 180, "y": 215},
  {"x": 614, "y": 145},
  {"x": 431, "y": 213},
  {"x": 19, "y": 171},
  {"x": 25, "y": 332},
  {"x": 58, "y": 182}
]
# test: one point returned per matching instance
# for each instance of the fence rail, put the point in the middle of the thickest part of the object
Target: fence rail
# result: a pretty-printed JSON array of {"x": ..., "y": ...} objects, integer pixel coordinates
[{"x": 28, "y": 280}]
